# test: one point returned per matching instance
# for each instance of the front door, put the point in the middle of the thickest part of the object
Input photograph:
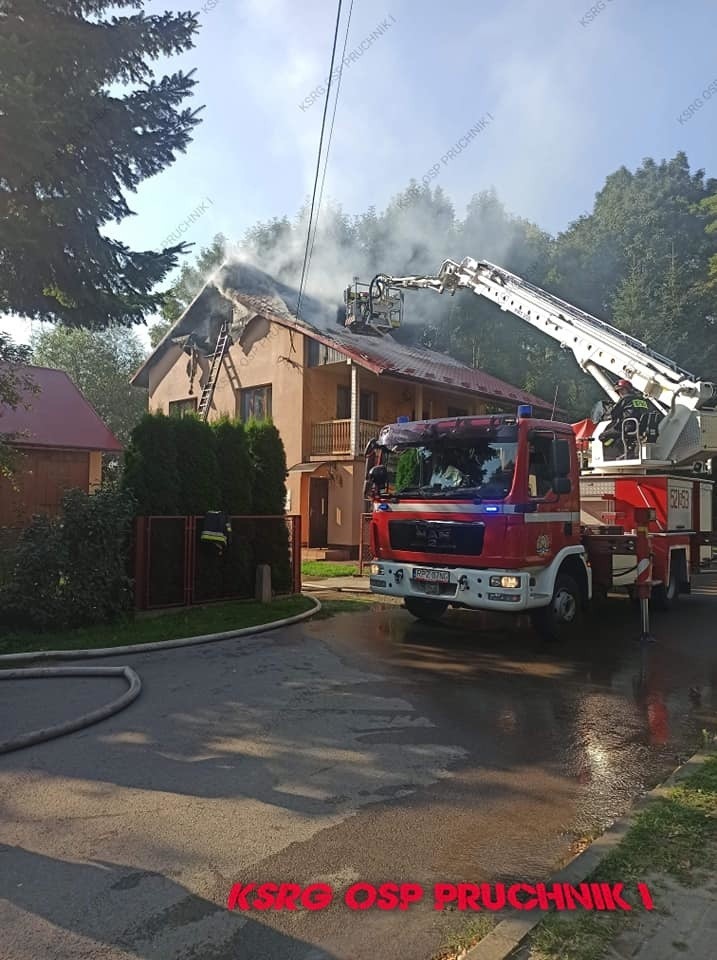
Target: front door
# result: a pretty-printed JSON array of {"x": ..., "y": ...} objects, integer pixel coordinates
[{"x": 318, "y": 512}]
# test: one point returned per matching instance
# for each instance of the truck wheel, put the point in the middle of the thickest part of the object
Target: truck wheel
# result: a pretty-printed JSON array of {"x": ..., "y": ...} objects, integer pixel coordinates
[
  {"x": 664, "y": 597},
  {"x": 425, "y": 609},
  {"x": 562, "y": 615}
]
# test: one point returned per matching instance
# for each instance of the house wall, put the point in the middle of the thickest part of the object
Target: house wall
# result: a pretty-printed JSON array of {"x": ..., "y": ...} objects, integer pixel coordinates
[
  {"x": 396, "y": 398},
  {"x": 41, "y": 479},
  {"x": 301, "y": 397},
  {"x": 254, "y": 362}
]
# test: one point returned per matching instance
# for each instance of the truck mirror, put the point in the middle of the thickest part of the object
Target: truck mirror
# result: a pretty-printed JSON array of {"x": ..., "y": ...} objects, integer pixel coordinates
[
  {"x": 378, "y": 477},
  {"x": 561, "y": 458},
  {"x": 562, "y": 485}
]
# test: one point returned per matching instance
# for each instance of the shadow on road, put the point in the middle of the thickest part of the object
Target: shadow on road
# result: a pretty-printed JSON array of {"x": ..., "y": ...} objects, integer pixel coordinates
[{"x": 142, "y": 913}]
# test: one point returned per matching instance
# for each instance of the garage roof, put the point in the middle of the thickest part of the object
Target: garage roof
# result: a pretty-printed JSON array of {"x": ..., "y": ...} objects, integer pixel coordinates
[{"x": 57, "y": 416}]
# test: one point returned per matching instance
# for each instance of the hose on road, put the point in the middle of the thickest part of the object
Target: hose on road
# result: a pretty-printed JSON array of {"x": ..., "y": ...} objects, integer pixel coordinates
[
  {"x": 132, "y": 678},
  {"x": 86, "y": 719}
]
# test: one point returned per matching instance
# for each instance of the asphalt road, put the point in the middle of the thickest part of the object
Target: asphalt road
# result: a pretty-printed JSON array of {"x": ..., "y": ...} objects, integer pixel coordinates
[{"x": 363, "y": 747}]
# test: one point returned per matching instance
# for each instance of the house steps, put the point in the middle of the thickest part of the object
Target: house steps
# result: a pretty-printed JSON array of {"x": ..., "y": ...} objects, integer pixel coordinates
[{"x": 326, "y": 553}]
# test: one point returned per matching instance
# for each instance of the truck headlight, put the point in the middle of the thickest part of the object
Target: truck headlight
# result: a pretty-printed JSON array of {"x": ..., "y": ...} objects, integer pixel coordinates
[
  {"x": 376, "y": 569},
  {"x": 508, "y": 583}
]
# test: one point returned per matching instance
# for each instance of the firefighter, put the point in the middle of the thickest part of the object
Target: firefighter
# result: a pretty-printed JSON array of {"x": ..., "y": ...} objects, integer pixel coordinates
[{"x": 632, "y": 405}]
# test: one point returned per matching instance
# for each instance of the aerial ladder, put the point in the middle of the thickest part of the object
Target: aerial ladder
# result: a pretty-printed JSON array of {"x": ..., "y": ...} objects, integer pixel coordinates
[{"x": 686, "y": 435}]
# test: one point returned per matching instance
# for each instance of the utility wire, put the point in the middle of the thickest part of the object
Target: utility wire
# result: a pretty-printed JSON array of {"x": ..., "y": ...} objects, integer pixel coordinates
[
  {"x": 331, "y": 134},
  {"x": 318, "y": 161}
]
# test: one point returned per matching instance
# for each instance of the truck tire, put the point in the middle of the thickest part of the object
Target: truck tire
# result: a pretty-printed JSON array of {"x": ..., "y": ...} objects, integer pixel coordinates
[
  {"x": 665, "y": 596},
  {"x": 425, "y": 609},
  {"x": 563, "y": 615}
]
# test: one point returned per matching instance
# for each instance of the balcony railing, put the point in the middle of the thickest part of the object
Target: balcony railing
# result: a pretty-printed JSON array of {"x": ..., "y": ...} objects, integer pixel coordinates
[{"x": 334, "y": 436}]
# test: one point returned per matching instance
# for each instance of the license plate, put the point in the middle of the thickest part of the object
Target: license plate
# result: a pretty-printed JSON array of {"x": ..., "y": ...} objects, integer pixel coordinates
[{"x": 427, "y": 575}]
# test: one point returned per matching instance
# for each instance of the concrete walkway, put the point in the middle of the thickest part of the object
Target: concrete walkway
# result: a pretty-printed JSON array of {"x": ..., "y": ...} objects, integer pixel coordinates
[
  {"x": 354, "y": 584},
  {"x": 686, "y": 926}
]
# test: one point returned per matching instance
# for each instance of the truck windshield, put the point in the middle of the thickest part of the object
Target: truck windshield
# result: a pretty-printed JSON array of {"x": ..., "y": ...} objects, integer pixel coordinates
[{"x": 482, "y": 469}]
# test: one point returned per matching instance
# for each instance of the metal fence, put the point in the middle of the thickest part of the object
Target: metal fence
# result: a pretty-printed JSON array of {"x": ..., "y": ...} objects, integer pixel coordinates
[
  {"x": 173, "y": 567},
  {"x": 365, "y": 552}
]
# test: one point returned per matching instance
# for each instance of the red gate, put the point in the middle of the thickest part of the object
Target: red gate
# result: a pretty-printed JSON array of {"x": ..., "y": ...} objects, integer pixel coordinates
[{"x": 174, "y": 568}]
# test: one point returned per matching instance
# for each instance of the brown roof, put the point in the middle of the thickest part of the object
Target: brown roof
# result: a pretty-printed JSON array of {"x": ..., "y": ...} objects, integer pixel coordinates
[
  {"x": 58, "y": 416},
  {"x": 243, "y": 286},
  {"x": 383, "y": 355}
]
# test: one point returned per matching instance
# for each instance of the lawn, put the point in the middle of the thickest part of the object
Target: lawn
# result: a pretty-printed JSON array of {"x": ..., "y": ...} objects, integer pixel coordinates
[
  {"x": 168, "y": 625},
  {"x": 325, "y": 568}
]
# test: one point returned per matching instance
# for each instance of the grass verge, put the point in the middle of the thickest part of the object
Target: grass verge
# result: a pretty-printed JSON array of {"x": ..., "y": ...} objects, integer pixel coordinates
[
  {"x": 169, "y": 625},
  {"x": 676, "y": 836},
  {"x": 458, "y": 942},
  {"x": 325, "y": 568}
]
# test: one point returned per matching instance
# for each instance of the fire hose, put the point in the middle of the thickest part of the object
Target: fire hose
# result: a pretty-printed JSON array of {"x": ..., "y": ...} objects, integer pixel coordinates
[{"x": 127, "y": 673}]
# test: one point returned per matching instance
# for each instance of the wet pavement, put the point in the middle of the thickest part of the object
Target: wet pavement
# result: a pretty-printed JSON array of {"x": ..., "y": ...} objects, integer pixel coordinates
[{"x": 362, "y": 747}]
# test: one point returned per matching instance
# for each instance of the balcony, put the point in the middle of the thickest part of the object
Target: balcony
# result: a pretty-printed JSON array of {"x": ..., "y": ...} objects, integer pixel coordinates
[{"x": 333, "y": 437}]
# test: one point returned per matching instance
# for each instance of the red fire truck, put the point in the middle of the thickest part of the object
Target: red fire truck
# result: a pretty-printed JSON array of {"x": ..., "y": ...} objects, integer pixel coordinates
[{"x": 515, "y": 513}]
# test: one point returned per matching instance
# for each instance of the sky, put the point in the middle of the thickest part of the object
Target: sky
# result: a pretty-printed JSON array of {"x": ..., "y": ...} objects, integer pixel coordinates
[{"x": 567, "y": 92}]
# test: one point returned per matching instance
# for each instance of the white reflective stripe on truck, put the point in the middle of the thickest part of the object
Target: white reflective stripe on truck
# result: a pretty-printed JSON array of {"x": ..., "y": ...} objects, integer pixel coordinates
[{"x": 553, "y": 517}]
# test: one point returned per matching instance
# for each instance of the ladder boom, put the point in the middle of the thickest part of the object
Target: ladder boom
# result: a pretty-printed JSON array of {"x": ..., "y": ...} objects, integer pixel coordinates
[{"x": 600, "y": 349}]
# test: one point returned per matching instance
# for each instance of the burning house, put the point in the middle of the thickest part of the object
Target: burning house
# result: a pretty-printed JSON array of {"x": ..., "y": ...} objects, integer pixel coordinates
[{"x": 327, "y": 386}]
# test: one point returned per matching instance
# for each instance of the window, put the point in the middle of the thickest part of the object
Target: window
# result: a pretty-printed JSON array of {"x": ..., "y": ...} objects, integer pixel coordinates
[
  {"x": 318, "y": 354},
  {"x": 457, "y": 412},
  {"x": 539, "y": 465},
  {"x": 180, "y": 408},
  {"x": 255, "y": 403},
  {"x": 343, "y": 402},
  {"x": 368, "y": 404}
]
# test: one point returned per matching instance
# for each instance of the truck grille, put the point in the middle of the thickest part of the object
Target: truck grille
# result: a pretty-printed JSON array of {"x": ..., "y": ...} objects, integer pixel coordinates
[{"x": 436, "y": 536}]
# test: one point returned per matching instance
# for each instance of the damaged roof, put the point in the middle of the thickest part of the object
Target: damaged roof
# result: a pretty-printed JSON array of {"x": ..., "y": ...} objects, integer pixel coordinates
[
  {"x": 58, "y": 416},
  {"x": 239, "y": 291}
]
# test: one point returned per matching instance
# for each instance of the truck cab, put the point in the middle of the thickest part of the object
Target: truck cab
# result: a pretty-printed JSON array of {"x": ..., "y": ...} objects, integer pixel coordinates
[{"x": 480, "y": 512}]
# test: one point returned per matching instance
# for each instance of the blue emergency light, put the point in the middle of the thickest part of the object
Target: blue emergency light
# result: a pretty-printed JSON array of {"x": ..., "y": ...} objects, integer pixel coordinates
[
  {"x": 525, "y": 410},
  {"x": 403, "y": 419}
]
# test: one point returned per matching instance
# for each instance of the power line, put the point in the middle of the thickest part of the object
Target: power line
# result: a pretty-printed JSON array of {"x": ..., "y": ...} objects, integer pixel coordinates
[
  {"x": 318, "y": 160},
  {"x": 331, "y": 134}
]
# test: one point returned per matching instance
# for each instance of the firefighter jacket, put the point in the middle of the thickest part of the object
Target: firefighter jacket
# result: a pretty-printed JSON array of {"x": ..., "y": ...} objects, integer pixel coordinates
[{"x": 217, "y": 529}]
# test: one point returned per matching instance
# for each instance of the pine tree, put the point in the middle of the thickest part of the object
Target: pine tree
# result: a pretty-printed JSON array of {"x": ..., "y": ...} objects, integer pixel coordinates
[{"x": 72, "y": 147}]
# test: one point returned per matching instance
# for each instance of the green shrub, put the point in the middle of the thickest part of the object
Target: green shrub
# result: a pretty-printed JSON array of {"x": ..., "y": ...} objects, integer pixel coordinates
[
  {"x": 71, "y": 570},
  {"x": 199, "y": 485},
  {"x": 235, "y": 467},
  {"x": 150, "y": 469},
  {"x": 269, "y": 497},
  {"x": 269, "y": 464}
]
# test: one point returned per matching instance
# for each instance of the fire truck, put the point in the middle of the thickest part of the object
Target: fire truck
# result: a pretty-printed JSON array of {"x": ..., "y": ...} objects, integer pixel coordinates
[{"x": 517, "y": 513}]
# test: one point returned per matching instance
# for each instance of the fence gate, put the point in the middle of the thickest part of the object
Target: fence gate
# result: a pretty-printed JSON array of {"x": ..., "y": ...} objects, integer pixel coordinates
[{"x": 173, "y": 567}]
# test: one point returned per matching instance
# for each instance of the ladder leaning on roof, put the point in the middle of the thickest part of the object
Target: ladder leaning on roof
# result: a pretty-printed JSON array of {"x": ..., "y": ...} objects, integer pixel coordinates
[{"x": 205, "y": 401}]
